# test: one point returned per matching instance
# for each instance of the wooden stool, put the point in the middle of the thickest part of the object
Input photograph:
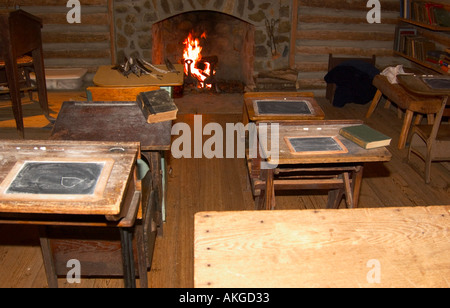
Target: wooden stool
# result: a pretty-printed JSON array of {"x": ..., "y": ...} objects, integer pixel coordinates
[
  {"x": 407, "y": 101},
  {"x": 20, "y": 34}
]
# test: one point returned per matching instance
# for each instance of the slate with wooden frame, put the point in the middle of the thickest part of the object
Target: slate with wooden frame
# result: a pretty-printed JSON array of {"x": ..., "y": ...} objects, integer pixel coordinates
[
  {"x": 66, "y": 177},
  {"x": 281, "y": 106}
]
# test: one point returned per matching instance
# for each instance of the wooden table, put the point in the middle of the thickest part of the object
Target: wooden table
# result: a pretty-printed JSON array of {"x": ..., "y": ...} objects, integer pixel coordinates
[
  {"x": 252, "y": 114},
  {"x": 20, "y": 34},
  {"x": 108, "y": 80},
  {"x": 338, "y": 172},
  {"x": 56, "y": 198},
  {"x": 358, "y": 248}
]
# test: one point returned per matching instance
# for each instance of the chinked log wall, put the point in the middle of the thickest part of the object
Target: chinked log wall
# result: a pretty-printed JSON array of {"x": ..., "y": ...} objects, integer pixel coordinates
[
  {"x": 86, "y": 45},
  {"x": 323, "y": 27},
  {"x": 341, "y": 28}
]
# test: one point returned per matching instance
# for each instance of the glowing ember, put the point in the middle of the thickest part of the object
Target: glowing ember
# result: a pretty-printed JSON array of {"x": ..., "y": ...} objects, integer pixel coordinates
[{"x": 198, "y": 69}]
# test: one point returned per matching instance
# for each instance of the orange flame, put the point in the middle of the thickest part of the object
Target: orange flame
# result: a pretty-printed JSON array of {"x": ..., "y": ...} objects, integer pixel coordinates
[{"x": 192, "y": 52}]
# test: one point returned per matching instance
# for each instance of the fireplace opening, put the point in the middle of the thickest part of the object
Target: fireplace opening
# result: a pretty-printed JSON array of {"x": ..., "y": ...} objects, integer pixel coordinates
[{"x": 227, "y": 49}]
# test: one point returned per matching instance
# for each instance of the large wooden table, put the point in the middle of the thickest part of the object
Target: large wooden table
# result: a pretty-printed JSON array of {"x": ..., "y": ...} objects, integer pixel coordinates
[
  {"x": 359, "y": 248},
  {"x": 115, "y": 205},
  {"x": 339, "y": 173}
]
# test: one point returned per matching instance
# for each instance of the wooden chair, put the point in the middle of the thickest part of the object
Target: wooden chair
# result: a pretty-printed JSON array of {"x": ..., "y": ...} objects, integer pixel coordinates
[
  {"x": 431, "y": 142},
  {"x": 335, "y": 61}
]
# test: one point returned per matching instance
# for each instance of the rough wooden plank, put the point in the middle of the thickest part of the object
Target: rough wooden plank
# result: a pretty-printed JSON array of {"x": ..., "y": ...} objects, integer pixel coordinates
[{"x": 290, "y": 249}]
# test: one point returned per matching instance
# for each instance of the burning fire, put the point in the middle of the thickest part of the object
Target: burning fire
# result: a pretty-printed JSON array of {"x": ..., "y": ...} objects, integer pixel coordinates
[{"x": 198, "y": 69}]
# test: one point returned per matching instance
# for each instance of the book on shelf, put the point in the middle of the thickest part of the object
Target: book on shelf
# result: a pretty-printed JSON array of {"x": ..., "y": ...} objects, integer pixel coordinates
[
  {"x": 400, "y": 34},
  {"x": 426, "y": 12},
  {"x": 365, "y": 136},
  {"x": 157, "y": 106}
]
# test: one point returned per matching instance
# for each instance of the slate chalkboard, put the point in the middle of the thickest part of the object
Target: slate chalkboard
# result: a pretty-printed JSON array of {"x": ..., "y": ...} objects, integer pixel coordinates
[
  {"x": 437, "y": 83},
  {"x": 325, "y": 145},
  {"x": 282, "y": 107},
  {"x": 56, "y": 178}
]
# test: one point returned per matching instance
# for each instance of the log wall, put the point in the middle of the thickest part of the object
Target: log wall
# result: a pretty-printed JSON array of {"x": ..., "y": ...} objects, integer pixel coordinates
[
  {"x": 340, "y": 28},
  {"x": 86, "y": 45},
  {"x": 319, "y": 27}
]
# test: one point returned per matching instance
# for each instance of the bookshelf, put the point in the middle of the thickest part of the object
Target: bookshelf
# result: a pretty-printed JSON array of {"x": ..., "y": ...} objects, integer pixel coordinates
[{"x": 418, "y": 34}]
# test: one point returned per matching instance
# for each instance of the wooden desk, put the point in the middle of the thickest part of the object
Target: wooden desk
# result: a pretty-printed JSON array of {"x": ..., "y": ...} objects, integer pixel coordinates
[
  {"x": 323, "y": 248},
  {"x": 118, "y": 122},
  {"x": 251, "y": 113},
  {"x": 116, "y": 206},
  {"x": 20, "y": 34},
  {"x": 430, "y": 142},
  {"x": 410, "y": 102},
  {"x": 343, "y": 171},
  {"x": 108, "y": 80}
]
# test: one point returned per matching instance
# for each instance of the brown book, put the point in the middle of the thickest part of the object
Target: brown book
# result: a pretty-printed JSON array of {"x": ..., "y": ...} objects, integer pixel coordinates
[{"x": 157, "y": 106}]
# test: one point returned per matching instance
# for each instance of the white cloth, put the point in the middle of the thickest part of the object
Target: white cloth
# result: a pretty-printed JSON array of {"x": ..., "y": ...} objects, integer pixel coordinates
[{"x": 392, "y": 72}]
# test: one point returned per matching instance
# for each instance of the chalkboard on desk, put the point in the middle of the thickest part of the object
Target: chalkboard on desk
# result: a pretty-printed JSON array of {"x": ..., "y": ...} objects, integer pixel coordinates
[
  {"x": 315, "y": 145},
  {"x": 56, "y": 180},
  {"x": 437, "y": 83},
  {"x": 283, "y": 107}
]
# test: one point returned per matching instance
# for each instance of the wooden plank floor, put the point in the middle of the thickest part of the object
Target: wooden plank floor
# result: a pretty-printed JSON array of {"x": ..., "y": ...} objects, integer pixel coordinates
[{"x": 196, "y": 185}]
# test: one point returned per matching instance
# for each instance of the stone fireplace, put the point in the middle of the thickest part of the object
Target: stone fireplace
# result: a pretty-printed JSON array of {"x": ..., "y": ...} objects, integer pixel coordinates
[{"x": 247, "y": 36}]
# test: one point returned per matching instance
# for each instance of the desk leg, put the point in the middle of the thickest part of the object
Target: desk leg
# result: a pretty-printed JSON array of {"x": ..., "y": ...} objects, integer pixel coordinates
[
  {"x": 155, "y": 159},
  {"x": 126, "y": 238},
  {"x": 356, "y": 182},
  {"x": 266, "y": 199},
  {"x": 47, "y": 255},
  {"x": 12, "y": 73}
]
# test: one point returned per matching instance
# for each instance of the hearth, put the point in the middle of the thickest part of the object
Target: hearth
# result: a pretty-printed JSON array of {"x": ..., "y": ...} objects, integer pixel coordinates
[
  {"x": 248, "y": 37},
  {"x": 216, "y": 49}
]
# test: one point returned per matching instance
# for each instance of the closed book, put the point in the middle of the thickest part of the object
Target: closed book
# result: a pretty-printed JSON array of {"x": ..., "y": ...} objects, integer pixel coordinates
[
  {"x": 157, "y": 106},
  {"x": 365, "y": 136}
]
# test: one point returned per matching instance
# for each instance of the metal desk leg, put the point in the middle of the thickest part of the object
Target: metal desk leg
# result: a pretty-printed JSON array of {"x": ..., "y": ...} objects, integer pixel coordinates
[{"x": 126, "y": 238}]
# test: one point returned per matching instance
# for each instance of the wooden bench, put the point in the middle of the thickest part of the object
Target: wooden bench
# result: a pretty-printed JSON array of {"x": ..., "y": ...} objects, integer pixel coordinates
[{"x": 405, "y": 100}]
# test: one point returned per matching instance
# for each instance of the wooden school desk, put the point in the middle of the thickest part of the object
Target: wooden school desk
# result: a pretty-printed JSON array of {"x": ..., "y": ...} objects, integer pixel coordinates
[
  {"x": 338, "y": 171},
  {"x": 109, "y": 81},
  {"x": 358, "y": 248},
  {"x": 90, "y": 185},
  {"x": 251, "y": 113},
  {"x": 119, "y": 122}
]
